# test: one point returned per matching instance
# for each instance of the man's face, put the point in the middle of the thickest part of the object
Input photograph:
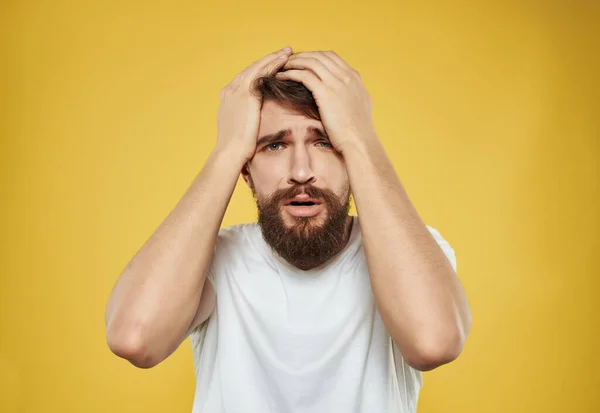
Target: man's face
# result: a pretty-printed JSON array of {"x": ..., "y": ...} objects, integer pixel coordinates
[{"x": 301, "y": 187}]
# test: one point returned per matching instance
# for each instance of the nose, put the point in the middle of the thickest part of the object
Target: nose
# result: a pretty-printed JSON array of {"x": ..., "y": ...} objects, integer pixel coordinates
[{"x": 301, "y": 169}]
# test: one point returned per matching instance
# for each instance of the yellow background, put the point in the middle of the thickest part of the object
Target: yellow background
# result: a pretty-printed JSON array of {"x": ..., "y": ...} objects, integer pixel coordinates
[{"x": 489, "y": 113}]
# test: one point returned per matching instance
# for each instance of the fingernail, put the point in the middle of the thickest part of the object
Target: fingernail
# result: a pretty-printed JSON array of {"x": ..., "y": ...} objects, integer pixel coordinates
[{"x": 286, "y": 49}]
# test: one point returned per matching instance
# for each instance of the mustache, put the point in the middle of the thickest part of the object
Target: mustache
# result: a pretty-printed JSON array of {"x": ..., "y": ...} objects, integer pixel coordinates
[{"x": 310, "y": 190}]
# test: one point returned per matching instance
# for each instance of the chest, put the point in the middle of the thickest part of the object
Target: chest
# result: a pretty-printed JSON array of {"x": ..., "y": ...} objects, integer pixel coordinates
[{"x": 284, "y": 304}]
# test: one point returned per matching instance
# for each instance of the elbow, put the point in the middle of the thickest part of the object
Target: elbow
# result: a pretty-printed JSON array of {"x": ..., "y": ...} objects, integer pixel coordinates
[
  {"x": 435, "y": 354},
  {"x": 427, "y": 361},
  {"x": 438, "y": 348},
  {"x": 132, "y": 348},
  {"x": 439, "y": 344}
]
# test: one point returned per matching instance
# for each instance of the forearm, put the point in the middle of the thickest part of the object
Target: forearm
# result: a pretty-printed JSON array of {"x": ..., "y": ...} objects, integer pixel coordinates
[
  {"x": 416, "y": 289},
  {"x": 157, "y": 295}
]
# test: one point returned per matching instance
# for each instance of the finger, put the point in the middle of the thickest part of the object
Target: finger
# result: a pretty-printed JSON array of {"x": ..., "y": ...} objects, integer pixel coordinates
[
  {"x": 306, "y": 77},
  {"x": 324, "y": 59},
  {"x": 340, "y": 62},
  {"x": 313, "y": 64},
  {"x": 268, "y": 64},
  {"x": 271, "y": 68}
]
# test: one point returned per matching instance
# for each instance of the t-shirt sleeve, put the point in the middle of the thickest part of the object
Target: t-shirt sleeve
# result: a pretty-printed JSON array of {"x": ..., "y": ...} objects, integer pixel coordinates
[
  {"x": 210, "y": 277},
  {"x": 444, "y": 245},
  {"x": 210, "y": 272},
  {"x": 222, "y": 242}
]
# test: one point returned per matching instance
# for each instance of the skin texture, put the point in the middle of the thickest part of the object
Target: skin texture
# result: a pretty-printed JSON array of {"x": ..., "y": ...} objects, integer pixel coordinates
[{"x": 417, "y": 292}]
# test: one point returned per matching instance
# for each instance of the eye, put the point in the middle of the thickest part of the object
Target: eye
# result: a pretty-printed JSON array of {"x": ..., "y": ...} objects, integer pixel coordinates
[
  {"x": 273, "y": 146},
  {"x": 327, "y": 144}
]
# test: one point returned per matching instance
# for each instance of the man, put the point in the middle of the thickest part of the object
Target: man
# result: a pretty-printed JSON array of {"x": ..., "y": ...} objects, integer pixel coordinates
[{"x": 308, "y": 309}]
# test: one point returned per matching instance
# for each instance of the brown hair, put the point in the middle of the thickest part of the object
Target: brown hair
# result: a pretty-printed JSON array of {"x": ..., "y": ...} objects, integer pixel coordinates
[{"x": 288, "y": 93}]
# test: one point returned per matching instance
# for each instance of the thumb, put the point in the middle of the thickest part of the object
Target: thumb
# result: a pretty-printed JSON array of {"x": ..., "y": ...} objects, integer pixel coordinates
[{"x": 273, "y": 67}]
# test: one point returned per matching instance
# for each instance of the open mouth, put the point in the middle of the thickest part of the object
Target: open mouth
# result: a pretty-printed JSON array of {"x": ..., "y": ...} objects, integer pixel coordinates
[
  {"x": 303, "y": 207},
  {"x": 302, "y": 200},
  {"x": 297, "y": 203}
]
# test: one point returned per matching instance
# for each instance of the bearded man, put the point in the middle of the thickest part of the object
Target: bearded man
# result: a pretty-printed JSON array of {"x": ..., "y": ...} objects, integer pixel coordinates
[{"x": 309, "y": 309}]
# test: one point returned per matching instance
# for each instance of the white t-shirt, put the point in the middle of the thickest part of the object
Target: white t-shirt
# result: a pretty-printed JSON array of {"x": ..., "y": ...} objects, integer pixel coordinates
[{"x": 282, "y": 340}]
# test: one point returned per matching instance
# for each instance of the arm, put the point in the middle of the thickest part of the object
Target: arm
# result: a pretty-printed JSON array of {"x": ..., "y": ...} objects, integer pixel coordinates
[
  {"x": 162, "y": 294},
  {"x": 417, "y": 291},
  {"x": 156, "y": 298}
]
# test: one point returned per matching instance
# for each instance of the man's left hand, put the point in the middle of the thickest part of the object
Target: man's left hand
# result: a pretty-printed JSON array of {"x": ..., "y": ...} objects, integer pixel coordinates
[{"x": 344, "y": 104}]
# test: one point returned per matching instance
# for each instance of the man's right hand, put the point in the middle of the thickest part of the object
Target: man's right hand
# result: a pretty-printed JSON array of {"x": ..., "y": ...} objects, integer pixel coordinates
[{"x": 238, "y": 118}]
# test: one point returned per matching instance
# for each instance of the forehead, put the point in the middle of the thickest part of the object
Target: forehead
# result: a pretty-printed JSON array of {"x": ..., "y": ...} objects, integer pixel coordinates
[{"x": 274, "y": 117}]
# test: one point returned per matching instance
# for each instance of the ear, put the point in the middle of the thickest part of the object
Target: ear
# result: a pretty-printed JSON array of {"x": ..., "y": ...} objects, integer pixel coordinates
[{"x": 246, "y": 175}]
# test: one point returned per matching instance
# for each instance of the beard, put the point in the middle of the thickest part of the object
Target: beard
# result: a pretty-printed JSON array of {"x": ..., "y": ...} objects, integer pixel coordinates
[{"x": 305, "y": 244}]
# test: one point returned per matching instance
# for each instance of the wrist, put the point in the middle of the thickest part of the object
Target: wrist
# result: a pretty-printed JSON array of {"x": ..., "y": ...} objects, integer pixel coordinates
[
  {"x": 359, "y": 144},
  {"x": 226, "y": 161},
  {"x": 231, "y": 154}
]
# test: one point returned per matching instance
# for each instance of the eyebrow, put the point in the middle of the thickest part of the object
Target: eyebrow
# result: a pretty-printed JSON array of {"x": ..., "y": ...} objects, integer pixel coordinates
[{"x": 274, "y": 137}]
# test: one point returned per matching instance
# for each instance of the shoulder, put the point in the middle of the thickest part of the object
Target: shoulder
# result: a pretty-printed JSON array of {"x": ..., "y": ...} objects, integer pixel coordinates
[
  {"x": 235, "y": 244},
  {"x": 238, "y": 240},
  {"x": 234, "y": 236}
]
